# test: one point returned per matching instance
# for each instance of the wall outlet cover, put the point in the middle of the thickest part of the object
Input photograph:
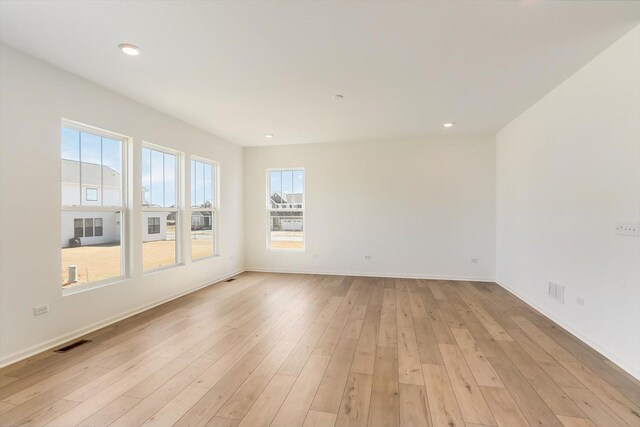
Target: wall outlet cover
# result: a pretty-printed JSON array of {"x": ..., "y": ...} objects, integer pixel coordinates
[
  {"x": 631, "y": 229},
  {"x": 40, "y": 309}
]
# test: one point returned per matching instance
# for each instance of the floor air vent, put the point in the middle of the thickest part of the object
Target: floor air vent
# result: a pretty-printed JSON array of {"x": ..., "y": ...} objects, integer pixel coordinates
[
  {"x": 230, "y": 280},
  {"x": 71, "y": 346}
]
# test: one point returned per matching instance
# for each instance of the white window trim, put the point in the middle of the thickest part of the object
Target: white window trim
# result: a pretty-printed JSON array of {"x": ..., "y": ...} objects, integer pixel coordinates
[
  {"x": 178, "y": 209},
  {"x": 269, "y": 210},
  {"x": 125, "y": 267},
  {"x": 215, "y": 206}
]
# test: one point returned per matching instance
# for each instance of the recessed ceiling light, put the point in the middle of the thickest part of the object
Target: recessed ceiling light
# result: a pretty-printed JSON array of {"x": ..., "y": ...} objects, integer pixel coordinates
[
  {"x": 337, "y": 97},
  {"x": 448, "y": 125},
  {"x": 129, "y": 49},
  {"x": 268, "y": 136}
]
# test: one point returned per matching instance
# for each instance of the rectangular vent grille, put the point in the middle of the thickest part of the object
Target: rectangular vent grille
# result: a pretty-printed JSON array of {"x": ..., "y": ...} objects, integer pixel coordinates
[
  {"x": 556, "y": 292},
  {"x": 230, "y": 280},
  {"x": 71, "y": 346}
]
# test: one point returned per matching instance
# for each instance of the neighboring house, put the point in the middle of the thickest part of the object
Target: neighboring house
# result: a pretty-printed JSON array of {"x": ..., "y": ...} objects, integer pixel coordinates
[
  {"x": 92, "y": 228},
  {"x": 201, "y": 220},
  {"x": 286, "y": 201},
  {"x": 100, "y": 187},
  {"x": 90, "y": 184},
  {"x": 286, "y": 220}
]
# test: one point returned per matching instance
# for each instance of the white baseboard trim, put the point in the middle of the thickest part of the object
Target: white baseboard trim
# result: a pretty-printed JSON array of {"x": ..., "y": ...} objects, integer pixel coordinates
[
  {"x": 611, "y": 355},
  {"x": 38, "y": 348},
  {"x": 368, "y": 274}
]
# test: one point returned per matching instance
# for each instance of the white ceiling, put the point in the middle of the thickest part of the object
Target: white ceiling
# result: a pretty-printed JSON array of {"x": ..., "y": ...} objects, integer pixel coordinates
[{"x": 244, "y": 69}]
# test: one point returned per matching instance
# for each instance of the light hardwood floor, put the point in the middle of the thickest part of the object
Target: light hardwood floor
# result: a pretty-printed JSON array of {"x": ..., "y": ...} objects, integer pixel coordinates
[{"x": 307, "y": 350}]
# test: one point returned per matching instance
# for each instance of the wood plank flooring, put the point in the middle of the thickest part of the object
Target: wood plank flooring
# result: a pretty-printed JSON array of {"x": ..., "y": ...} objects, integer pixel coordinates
[{"x": 306, "y": 350}]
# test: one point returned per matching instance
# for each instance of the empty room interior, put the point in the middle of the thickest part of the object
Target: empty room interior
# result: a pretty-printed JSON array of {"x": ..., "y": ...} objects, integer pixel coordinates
[{"x": 318, "y": 213}]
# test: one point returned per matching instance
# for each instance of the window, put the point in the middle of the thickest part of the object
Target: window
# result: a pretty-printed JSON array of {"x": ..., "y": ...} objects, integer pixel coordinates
[
  {"x": 93, "y": 202},
  {"x": 78, "y": 227},
  {"x": 98, "y": 224},
  {"x": 160, "y": 195},
  {"x": 91, "y": 194},
  {"x": 88, "y": 227},
  {"x": 285, "y": 206},
  {"x": 153, "y": 225},
  {"x": 203, "y": 208}
]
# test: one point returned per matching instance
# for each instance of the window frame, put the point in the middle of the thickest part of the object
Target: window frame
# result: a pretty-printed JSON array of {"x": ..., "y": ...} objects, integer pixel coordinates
[
  {"x": 215, "y": 206},
  {"x": 270, "y": 209},
  {"x": 178, "y": 210},
  {"x": 122, "y": 209}
]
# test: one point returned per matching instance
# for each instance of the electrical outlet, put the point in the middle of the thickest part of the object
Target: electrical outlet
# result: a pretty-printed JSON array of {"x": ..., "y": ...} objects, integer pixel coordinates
[
  {"x": 627, "y": 229},
  {"x": 40, "y": 309},
  {"x": 580, "y": 301},
  {"x": 474, "y": 260},
  {"x": 367, "y": 257}
]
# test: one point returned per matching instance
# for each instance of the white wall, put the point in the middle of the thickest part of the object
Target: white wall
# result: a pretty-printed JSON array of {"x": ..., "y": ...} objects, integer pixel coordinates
[
  {"x": 419, "y": 208},
  {"x": 567, "y": 170},
  {"x": 34, "y": 97}
]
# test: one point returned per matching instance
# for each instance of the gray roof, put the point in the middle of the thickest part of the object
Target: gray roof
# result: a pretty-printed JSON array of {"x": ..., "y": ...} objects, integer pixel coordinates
[
  {"x": 278, "y": 197},
  {"x": 91, "y": 174}
]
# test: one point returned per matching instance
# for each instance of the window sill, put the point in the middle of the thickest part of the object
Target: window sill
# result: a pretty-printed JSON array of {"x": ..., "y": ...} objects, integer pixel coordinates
[
  {"x": 160, "y": 269},
  {"x": 285, "y": 250},
  {"x": 205, "y": 258},
  {"x": 76, "y": 289}
]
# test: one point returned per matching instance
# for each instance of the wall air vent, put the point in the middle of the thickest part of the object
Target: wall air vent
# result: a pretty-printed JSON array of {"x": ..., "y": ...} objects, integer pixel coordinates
[
  {"x": 556, "y": 292},
  {"x": 71, "y": 346}
]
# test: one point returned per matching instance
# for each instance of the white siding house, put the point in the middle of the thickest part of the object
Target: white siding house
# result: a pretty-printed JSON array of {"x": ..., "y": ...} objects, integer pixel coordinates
[
  {"x": 100, "y": 187},
  {"x": 283, "y": 217},
  {"x": 154, "y": 226},
  {"x": 90, "y": 184},
  {"x": 92, "y": 228}
]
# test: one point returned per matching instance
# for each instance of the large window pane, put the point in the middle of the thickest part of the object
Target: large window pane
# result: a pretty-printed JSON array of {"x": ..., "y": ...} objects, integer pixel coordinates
[
  {"x": 160, "y": 189},
  {"x": 286, "y": 209},
  {"x": 159, "y": 178},
  {"x": 159, "y": 240},
  {"x": 92, "y": 176},
  {"x": 91, "y": 169},
  {"x": 202, "y": 234},
  {"x": 202, "y": 185},
  {"x": 92, "y": 257}
]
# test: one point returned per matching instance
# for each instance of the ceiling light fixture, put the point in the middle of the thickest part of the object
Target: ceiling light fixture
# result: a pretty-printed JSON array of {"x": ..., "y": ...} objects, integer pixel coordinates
[
  {"x": 129, "y": 49},
  {"x": 448, "y": 125},
  {"x": 337, "y": 97},
  {"x": 268, "y": 136}
]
